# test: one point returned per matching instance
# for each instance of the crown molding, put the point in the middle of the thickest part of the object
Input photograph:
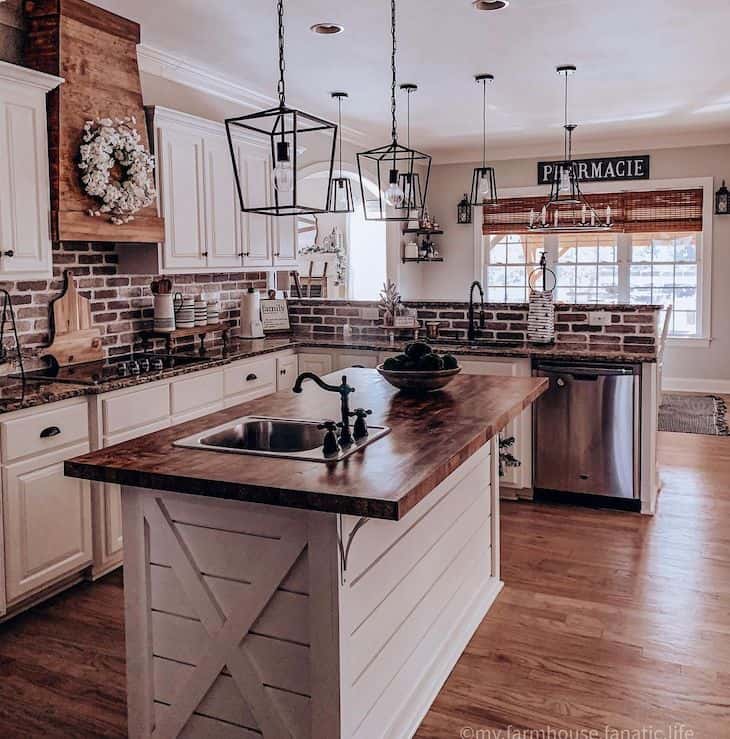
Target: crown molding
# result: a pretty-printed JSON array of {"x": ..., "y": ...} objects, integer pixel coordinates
[
  {"x": 165, "y": 65},
  {"x": 29, "y": 77}
]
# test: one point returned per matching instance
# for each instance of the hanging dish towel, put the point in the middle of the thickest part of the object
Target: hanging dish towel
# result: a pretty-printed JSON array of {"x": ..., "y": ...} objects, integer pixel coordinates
[{"x": 541, "y": 317}]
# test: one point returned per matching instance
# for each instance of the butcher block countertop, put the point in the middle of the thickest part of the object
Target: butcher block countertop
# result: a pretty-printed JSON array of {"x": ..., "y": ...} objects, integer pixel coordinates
[{"x": 430, "y": 437}]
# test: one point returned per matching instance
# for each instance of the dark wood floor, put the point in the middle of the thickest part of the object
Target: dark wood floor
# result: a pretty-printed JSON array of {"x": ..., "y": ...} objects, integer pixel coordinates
[{"x": 607, "y": 620}]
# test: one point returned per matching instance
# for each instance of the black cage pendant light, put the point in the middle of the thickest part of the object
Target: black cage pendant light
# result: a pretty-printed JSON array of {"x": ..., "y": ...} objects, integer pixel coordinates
[
  {"x": 567, "y": 208},
  {"x": 341, "y": 189},
  {"x": 386, "y": 165},
  {"x": 410, "y": 182},
  {"x": 281, "y": 134},
  {"x": 483, "y": 181}
]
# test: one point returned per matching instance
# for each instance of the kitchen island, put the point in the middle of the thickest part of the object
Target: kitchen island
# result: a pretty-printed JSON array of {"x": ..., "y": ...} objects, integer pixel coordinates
[{"x": 298, "y": 598}]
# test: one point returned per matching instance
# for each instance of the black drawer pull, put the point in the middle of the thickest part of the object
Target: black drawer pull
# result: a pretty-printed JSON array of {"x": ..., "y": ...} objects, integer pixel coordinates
[
  {"x": 50, "y": 431},
  {"x": 251, "y": 377}
]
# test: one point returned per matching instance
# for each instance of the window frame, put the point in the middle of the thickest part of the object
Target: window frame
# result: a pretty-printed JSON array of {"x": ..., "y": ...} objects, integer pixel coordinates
[{"x": 704, "y": 278}]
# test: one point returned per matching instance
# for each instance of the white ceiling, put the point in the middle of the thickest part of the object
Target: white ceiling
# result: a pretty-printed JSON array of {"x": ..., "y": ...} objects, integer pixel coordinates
[{"x": 650, "y": 72}]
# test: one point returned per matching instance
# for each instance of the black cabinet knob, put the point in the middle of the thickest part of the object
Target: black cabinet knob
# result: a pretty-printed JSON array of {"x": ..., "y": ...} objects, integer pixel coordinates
[{"x": 251, "y": 377}]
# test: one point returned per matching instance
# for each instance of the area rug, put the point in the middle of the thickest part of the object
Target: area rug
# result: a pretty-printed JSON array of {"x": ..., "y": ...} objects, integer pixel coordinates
[{"x": 693, "y": 414}]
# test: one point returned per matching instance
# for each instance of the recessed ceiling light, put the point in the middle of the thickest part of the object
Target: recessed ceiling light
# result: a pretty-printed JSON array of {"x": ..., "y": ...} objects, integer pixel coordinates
[
  {"x": 327, "y": 29},
  {"x": 490, "y": 4}
]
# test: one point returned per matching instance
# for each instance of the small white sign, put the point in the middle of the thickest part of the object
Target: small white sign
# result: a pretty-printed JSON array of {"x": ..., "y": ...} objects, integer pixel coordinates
[{"x": 275, "y": 315}]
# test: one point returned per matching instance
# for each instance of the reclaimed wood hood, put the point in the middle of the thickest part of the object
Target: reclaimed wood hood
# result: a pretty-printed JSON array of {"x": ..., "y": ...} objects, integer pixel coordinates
[{"x": 95, "y": 51}]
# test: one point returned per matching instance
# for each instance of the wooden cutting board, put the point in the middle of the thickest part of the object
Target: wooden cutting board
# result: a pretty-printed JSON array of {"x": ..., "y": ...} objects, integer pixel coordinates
[{"x": 75, "y": 340}]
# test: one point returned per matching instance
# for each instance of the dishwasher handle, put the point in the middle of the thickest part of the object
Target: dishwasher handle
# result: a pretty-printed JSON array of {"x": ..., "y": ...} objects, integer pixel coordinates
[{"x": 585, "y": 372}]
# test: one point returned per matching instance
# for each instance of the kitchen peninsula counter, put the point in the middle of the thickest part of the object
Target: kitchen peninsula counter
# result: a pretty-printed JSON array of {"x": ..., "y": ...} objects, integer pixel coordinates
[{"x": 303, "y": 599}]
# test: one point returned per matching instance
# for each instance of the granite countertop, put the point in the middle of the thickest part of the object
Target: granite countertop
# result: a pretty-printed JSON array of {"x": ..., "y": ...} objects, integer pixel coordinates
[
  {"x": 37, "y": 394},
  {"x": 430, "y": 437}
]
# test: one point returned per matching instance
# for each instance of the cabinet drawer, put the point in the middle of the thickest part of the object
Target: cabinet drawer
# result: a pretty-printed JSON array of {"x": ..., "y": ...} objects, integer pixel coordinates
[
  {"x": 320, "y": 364},
  {"x": 287, "y": 368},
  {"x": 197, "y": 391},
  {"x": 44, "y": 431},
  {"x": 47, "y": 520},
  {"x": 369, "y": 359},
  {"x": 136, "y": 408},
  {"x": 256, "y": 377}
]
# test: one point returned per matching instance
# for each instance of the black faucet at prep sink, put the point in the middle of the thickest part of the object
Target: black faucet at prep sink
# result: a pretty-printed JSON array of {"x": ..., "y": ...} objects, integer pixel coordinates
[
  {"x": 472, "y": 331},
  {"x": 345, "y": 439}
]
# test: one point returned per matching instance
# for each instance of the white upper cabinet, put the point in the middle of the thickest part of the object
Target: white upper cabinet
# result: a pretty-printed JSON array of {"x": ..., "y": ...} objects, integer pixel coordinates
[
  {"x": 204, "y": 227},
  {"x": 25, "y": 208},
  {"x": 182, "y": 169},
  {"x": 221, "y": 206}
]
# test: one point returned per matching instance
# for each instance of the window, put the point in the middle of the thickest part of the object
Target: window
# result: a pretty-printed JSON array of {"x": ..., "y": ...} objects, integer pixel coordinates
[
  {"x": 664, "y": 269},
  {"x": 637, "y": 268},
  {"x": 511, "y": 259}
]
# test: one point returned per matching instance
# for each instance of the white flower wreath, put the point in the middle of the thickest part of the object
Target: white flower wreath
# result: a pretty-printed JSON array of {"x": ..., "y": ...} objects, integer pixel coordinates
[{"x": 108, "y": 142}]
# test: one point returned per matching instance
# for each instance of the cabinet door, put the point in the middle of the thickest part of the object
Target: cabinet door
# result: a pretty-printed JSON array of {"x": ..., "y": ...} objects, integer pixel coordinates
[
  {"x": 320, "y": 364},
  {"x": 220, "y": 206},
  {"x": 287, "y": 369},
  {"x": 369, "y": 359},
  {"x": 285, "y": 246},
  {"x": 25, "y": 243},
  {"x": 47, "y": 520},
  {"x": 254, "y": 230},
  {"x": 181, "y": 164},
  {"x": 520, "y": 428}
]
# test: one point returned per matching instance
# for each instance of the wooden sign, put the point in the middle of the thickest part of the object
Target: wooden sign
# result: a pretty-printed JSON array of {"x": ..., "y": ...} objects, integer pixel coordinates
[
  {"x": 275, "y": 315},
  {"x": 95, "y": 51},
  {"x": 602, "y": 169}
]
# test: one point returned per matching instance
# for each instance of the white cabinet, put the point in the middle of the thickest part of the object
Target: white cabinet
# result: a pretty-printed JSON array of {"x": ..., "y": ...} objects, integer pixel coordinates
[
  {"x": 520, "y": 428},
  {"x": 221, "y": 206},
  {"x": 249, "y": 379},
  {"x": 356, "y": 359},
  {"x": 182, "y": 195},
  {"x": 320, "y": 364},
  {"x": 25, "y": 209},
  {"x": 47, "y": 522},
  {"x": 287, "y": 368},
  {"x": 196, "y": 395},
  {"x": 255, "y": 231},
  {"x": 204, "y": 227}
]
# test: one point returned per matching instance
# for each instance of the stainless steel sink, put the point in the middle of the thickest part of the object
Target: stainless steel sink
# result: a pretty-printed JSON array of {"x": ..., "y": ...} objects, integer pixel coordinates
[{"x": 274, "y": 437}]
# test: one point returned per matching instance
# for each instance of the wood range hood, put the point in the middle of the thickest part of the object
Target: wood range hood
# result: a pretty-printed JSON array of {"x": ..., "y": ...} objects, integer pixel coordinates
[{"x": 95, "y": 51}]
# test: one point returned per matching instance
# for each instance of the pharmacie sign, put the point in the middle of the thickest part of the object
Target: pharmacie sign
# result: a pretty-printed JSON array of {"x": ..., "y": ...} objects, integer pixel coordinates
[{"x": 602, "y": 169}]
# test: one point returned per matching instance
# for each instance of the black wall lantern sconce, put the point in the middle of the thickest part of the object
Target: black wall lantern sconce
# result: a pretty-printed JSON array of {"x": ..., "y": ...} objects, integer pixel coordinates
[
  {"x": 722, "y": 201},
  {"x": 463, "y": 210}
]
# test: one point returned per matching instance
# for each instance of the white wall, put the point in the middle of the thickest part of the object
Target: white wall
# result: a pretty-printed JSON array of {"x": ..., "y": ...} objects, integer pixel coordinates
[{"x": 710, "y": 365}]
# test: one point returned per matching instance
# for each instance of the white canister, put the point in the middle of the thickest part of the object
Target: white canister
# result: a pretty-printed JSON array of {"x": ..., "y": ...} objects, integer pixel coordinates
[{"x": 411, "y": 251}]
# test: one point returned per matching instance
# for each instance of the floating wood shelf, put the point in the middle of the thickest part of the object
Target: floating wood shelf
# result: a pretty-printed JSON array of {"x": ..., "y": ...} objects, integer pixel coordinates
[
  {"x": 422, "y": 259},
  {"x": 170, "y": 337},
  {"x": 423, "y": 231}
]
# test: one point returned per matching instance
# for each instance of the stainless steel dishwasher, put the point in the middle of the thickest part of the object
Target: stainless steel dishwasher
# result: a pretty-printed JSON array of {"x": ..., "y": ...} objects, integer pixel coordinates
[{"x": 586, "y": 430}]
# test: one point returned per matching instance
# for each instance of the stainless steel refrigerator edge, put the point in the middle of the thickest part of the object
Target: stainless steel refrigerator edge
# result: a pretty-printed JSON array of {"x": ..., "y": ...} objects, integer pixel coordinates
[{"x": 586, "y": 429}]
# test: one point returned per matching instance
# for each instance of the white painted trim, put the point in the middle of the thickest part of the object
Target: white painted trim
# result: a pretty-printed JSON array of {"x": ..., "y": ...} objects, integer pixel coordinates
[
  {"x": 689, "y": 342},
  {"x": 182, "y": 71},
  {"x": 695, "y": 385},
  {"x": 29, "y": 77}
]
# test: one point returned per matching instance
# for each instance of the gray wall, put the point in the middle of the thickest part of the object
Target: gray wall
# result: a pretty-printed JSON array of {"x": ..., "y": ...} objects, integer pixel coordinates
[{"x": 709, "y": 364}]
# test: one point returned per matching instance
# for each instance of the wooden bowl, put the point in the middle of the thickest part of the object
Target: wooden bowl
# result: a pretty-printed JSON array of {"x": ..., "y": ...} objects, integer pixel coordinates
[{"x": 414, "y": 381}]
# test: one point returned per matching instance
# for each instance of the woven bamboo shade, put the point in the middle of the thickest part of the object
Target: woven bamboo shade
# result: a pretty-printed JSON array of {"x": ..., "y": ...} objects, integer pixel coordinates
[{"x": 631, "y": 212}]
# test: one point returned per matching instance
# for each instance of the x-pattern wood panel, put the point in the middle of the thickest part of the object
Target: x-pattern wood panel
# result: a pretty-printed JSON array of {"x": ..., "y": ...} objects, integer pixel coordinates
[{"x": 226, "y": 645}]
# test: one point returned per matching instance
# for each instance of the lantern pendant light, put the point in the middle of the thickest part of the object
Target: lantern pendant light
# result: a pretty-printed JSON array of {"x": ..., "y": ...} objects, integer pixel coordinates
[
  {"x": 483, "y": 181},
  {"x": 579, "y": 215},
  {"x": 387, "y": 164},
  {"x": 341, "y": 188},
  {"x": 280, "y": 135},
  {"x": 410, "y": 183}
]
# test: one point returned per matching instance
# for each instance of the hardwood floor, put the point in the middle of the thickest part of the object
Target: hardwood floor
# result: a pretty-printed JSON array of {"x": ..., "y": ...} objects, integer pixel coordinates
[{"x": 608, "y": 621}]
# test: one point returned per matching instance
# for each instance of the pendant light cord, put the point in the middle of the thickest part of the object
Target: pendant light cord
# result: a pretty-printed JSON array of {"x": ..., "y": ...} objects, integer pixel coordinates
[
  {"x": 484, "y": 124},
  {"x": 282, "y": 65},
  {"x": 339, "y": 129},
  {"x": 393, "y": 109},
  {"x": 565, "y": 125}
]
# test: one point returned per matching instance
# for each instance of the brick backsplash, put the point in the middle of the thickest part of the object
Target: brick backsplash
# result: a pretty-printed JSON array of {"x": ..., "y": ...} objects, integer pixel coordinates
[
  {"x": 633, "y": 328},
  {"x": 121, "y": 305}
]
